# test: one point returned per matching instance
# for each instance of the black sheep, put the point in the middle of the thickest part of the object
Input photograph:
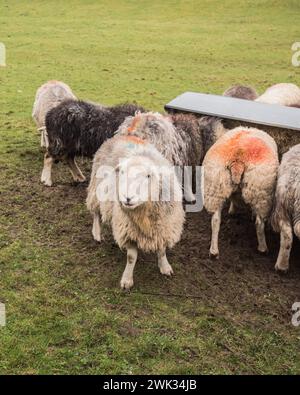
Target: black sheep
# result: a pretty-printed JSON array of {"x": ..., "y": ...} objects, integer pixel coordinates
[{"x": 78, "y": 128}]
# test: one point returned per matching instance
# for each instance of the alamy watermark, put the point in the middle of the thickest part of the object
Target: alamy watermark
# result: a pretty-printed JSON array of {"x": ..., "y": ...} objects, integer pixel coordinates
[
  {"x": 2, "y": 314},
  {"x": 134, "y": 185},
  {"x": 2, "y": 55},
  {"x": 296, "y": 54},
  {"x": 296, "y": 315}
]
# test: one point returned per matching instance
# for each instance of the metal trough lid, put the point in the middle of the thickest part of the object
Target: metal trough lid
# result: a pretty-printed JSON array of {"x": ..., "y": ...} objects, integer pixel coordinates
[{"x": 237, "y": 109}]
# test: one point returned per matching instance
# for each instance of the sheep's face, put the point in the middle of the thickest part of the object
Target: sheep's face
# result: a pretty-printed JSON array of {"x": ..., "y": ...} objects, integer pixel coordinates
[{"x": 137, "y": 182}]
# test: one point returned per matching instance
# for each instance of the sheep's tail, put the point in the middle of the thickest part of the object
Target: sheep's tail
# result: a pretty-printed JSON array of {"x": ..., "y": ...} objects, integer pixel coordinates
[{"x": 236, "y": 169}]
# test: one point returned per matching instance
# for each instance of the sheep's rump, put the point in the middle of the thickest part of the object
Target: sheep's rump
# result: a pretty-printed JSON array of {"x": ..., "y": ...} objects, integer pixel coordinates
[
  {"x": 242, "y": 158},
  {"x": 285, "y": 138},
  {"x": 47, "y": 97},
  {"x": 79, "y": 128},
  {"x": 287, "y": 196},
  {"x": 284, "y": 94}
]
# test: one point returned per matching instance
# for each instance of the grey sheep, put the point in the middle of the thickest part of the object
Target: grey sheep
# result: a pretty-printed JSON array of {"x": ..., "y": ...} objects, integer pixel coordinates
[
  {"x": 241, "y": 92},
  {"x": 180, "y": 138},
  {"x": 286, "y": 213}
]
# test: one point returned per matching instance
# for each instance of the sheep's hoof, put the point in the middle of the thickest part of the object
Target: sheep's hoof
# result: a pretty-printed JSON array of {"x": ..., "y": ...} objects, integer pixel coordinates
[
  {"x": 232, "y": 212},
  {"x": 97, "y": 238},
  {"x": 190, "y": 201},
  {"x": 167, "y": 271},
  {"x": 213, "y": 255},
  {"x": 281, "y": 269},
  {"x": 263, "y": 251},
  {"x": 79, "y": 179},
  {"x": 126, "y": 284},
  {"x": 47, "y": 183}
]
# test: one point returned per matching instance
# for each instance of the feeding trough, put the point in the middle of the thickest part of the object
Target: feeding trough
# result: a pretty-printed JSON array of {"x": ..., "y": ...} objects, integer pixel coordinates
[{"x": 281, "y": 122}]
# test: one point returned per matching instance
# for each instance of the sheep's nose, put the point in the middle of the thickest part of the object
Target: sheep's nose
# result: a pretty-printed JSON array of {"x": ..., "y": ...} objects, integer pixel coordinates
[{"x": 128, "y": 200}]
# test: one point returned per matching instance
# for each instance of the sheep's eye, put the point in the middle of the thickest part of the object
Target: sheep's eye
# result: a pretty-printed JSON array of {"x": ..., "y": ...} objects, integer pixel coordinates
[{"x": 148, "y": 176}]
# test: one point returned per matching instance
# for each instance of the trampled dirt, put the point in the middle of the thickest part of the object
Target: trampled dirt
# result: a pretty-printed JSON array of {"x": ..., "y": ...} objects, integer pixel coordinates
[{"x": 242, "y": 279}]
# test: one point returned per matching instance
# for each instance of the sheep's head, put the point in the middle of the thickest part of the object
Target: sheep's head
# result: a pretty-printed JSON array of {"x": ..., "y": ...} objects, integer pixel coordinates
[
  {"x": 140, "y": 181},
  {"x": 136, "y": 178}
]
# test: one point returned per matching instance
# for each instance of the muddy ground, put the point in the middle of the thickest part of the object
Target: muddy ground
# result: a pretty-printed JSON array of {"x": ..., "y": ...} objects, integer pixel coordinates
[{"x": 242, "y": 277}]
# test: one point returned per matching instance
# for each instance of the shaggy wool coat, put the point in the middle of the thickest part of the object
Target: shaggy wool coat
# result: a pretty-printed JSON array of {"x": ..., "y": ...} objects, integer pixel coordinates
[
  {"x": 152, "y": 226},
  {"x": 287, "y": 196},
  {"x": 79, "y": 128}
]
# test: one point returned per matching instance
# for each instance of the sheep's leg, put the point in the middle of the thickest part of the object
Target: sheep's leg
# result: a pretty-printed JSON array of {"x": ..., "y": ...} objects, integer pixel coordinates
[
  {"x": 232, "y": 208},
  {"x": 260, "y": 232},
  {"x": 127, "y": 277},
  {"x": 42, "y": 139},
  {"x": 96, "y": 231},
  {"x": 46, "y": 173},
  {"x": 188, "y": 187},
  {"x": 75, "y": 171},
  {"x": 215, "y": 226},
  {"x": 286, "y": 240},
  {"x": 234, "y": 204},
  {"x": 163, "y": 264}
]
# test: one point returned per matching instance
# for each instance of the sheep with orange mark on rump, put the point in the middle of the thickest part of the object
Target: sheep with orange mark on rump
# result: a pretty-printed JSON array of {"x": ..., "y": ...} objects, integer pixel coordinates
[
  {"x": 150, "y": 220},
  {"x": 243, "y": 161}
]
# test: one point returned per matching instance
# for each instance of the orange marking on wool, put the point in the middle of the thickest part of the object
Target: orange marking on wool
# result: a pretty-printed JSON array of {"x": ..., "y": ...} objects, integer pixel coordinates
[
  {"x": 240, "y": 151},
  {"x": 133, "y": 139},
  {"x": 134, "y": 124}
]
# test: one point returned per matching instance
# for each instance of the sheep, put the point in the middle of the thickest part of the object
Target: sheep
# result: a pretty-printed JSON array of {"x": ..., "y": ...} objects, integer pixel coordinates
[
  {"x": 177, "y": 137},
  {"x": 286, "y": 212},
  {"x": 138, "y": 222},
  {"x": 48, "y": 96},
  {"x": 79, "y": 128},
  {"x": 284, "y": 94},
  {"x": 241, "y": 92},
  {"x": 243, "y": 161}
]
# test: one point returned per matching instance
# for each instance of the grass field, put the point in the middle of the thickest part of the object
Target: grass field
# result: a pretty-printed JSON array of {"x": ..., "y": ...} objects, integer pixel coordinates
[{"x": 65, "y": 312}]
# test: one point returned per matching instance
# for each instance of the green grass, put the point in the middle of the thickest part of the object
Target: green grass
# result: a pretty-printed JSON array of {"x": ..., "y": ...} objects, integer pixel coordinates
[{"x": 65, "y": 313}]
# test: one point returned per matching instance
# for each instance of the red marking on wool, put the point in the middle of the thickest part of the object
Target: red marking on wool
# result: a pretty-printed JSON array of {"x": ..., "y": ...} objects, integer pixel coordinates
[
  {"x": 131, "y": 128},
  {"x": 133, "y": 139},
  {"x": 240, "y": 151}
]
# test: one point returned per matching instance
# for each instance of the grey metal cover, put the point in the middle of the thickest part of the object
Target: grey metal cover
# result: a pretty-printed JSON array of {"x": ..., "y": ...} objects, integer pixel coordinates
[{"x": 237, "y": 109}]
